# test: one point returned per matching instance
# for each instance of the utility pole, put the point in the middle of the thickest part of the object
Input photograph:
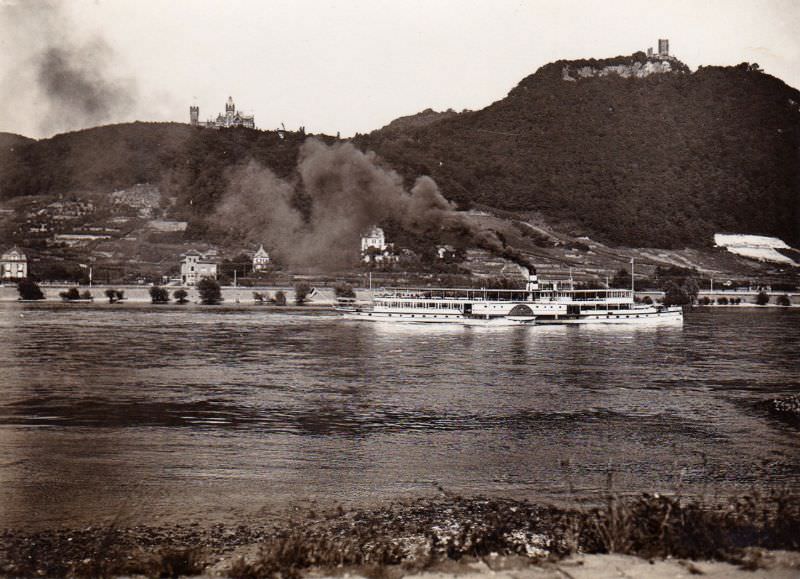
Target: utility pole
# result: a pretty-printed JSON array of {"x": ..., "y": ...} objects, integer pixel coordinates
[{"x": 234, "y": 278}]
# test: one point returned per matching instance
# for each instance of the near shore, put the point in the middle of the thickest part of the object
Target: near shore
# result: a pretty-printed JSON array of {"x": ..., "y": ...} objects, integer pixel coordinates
[{"x": 647, "y": 536}]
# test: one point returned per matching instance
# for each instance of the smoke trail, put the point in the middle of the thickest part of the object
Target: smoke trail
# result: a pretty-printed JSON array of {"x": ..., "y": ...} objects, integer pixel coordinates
[
  {"x": 348, "y": 192},
  {"x": 58, "y": 81}
]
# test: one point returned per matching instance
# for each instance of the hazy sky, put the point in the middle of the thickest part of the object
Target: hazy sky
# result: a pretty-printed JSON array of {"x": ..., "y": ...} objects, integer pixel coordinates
[{"x": 349, "y": 66}]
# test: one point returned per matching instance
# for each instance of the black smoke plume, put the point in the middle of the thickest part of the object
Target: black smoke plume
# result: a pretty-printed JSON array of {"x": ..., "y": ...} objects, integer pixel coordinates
[
  {"x": 348, "y": 191},
  {"x": 57, "y": 79}
]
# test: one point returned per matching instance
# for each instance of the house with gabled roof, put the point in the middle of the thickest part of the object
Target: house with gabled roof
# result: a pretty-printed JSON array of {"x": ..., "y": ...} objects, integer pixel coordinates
[
  {"x": 13, "y": 264},
  {"x": 261, "y": 259},
  {"x": 196, "y": 265}
]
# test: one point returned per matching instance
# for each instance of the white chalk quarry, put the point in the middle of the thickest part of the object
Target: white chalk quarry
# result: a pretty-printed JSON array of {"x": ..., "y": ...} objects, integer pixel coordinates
[{"x": 758, "y": 247}]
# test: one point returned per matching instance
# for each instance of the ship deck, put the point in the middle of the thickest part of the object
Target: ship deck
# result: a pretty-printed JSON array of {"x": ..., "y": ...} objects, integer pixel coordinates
[{"x": 499, "y": 295}]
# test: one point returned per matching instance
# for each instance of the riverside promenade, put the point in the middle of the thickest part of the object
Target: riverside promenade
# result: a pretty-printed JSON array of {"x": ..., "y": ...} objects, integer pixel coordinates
[
  {"x": 141, "y": 293},
  {"x": 748, "y": 298}
]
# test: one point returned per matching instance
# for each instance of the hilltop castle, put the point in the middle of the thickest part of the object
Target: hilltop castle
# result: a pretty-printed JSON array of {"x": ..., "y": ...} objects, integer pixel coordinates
[
  {"x": 663, "y": 49},
  {"x": 231, "y": 118}
]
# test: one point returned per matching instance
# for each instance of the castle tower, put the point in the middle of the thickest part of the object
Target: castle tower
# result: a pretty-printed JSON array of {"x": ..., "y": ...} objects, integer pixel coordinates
[
  {"x": 663, "y": 47},
  {"x": 194, "y": 115},
  {"x": 230, "y": 112}
]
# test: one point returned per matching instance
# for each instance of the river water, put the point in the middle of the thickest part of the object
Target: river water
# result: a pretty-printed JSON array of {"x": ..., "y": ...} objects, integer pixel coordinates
[{"x": 155, "y": 415}]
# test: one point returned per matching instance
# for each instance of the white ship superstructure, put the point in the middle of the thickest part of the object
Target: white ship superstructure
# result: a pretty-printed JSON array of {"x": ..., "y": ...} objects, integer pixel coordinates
[{"x": 545, "y": 303}]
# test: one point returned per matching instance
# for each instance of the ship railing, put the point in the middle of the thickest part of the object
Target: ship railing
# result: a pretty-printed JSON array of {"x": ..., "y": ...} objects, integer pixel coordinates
[
  {"x": 479, "y": 294},
  {"x": 459, "y": 294}
]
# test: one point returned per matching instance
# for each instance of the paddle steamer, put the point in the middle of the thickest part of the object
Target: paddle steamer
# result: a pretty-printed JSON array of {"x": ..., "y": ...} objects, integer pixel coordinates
[{"x": 539, "y": 303}]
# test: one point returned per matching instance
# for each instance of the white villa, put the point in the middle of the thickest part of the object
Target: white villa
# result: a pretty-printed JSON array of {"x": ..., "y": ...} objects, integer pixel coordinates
[
  {"x": 373, "y": 238},
  {"x": 13, "y": 264},
  {"x": 374, "y": 247},
  {"x": 261, "y": 259},
  {"x": 195, "y": 266}
]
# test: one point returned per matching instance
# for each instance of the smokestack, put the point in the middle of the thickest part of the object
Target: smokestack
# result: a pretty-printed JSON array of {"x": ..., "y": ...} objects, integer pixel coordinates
[{"x": 533, "y": 280}]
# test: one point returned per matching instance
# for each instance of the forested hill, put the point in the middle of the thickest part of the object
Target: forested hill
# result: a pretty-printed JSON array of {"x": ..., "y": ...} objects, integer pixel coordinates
[
  {"x": 629, "y": 150},
  {"x": 421, "y": 119},
  {"x": 663, "y": 159},
  {"x": 101, "y": 158},
  {"x": 10, "y": 140},
  {"x": 188, "y": 162}
]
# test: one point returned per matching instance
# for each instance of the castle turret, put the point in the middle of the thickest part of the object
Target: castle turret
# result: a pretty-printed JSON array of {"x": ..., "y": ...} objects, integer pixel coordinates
[
  {"x": 194, "y": 115},
  {"x": 229, "y": 106},
  {"x": 663, "y": 47}
]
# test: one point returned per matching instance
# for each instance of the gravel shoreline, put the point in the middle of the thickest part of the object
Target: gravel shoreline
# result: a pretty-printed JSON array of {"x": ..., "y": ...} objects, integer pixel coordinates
[{"x": 415, "y": 537}]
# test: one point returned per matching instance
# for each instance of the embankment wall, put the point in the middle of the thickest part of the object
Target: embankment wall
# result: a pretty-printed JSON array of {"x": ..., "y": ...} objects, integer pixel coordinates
[{"x": 141, "y": 293}]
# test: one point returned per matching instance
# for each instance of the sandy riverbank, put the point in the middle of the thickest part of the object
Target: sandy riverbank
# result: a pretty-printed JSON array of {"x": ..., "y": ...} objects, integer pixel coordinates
[{"x": 766, "y": 565}]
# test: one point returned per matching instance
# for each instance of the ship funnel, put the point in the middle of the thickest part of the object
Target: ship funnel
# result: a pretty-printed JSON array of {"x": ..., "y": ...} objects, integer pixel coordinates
[{"x": 533, "y": 281}]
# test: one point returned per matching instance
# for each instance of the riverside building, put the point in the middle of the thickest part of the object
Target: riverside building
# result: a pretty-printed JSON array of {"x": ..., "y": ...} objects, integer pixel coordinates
[
  {"x": 261, "y": 259},
  {"x": 195, "y": 266},
  {"x": 374, "y": 248},
  {"x": 13, "y": 264}
]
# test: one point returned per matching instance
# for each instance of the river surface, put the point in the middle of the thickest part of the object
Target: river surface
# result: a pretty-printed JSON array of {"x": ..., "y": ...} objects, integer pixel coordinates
[{"x": 163, "y": 415}]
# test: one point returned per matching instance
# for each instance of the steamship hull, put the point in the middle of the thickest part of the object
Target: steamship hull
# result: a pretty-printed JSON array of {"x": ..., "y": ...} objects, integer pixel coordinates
[
  {"x": 637, "y": 317},
  {"x": 408, "y": 318}
]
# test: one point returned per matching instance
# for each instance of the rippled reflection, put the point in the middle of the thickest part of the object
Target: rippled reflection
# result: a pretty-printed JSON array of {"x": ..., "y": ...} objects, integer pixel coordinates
[{"x": 224, "y": 414}]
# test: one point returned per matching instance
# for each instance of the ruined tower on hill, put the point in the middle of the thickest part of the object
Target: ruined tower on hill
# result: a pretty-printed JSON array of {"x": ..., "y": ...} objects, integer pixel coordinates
[{"x": 663, "y": 50}]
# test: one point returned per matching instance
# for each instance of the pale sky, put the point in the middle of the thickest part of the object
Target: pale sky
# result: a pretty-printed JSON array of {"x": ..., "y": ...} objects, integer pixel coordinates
[{"x": 353, "y": 66}]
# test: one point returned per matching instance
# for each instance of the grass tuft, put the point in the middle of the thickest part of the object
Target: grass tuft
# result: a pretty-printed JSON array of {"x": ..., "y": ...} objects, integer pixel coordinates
[{"x": 390, "y": 541}]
